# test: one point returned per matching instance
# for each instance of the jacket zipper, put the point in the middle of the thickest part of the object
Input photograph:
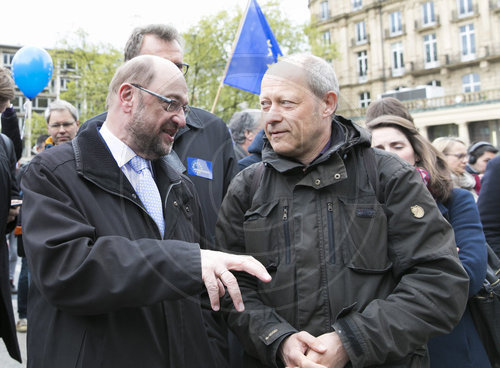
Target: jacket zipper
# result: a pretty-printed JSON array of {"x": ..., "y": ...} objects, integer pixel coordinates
[
  {"x": 331, "y": 239},
  {"x": 286, "y": 230}
]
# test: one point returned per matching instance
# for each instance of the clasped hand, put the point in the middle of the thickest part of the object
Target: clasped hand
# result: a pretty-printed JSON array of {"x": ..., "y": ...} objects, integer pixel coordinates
[{"x": 304, "y": 350}]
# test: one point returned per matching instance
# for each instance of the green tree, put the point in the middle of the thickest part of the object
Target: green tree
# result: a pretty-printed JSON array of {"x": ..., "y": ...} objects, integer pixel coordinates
[
  {"x": 208, "y": 46},
  {"x": 89, "y": 69}
]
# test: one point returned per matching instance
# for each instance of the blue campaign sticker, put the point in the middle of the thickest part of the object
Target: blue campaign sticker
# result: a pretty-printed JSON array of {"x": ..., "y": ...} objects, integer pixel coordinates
[{"x": 199, "y": 167}]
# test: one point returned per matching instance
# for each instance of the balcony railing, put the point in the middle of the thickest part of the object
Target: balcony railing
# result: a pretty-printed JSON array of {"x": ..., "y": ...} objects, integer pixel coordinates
[
  {"x": 449, "y": 101},
  {"x": 455, "y": 16},
  {"x": 356, "y": 42},
  {"x": 421, "y": 26}
]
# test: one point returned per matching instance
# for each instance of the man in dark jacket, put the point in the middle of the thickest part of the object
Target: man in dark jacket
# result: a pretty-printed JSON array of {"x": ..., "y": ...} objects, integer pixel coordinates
[
  {"x": 7, "y": 216},
  {"x": 364, "y": 267},
  {"x": 204, "y": 142},
  {"x": 109, "y": 289},
  {"x": 488, "y": 204}
]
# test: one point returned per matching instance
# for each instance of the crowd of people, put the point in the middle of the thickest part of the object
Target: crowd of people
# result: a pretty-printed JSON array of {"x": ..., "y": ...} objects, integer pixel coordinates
[{"x": 156, "y": 235}]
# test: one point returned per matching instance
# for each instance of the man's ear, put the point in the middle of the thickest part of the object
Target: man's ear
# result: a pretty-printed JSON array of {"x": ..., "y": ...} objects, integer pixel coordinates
[
  {"x": 126, "y": 97},
  {"x": 330, "y": 100}
]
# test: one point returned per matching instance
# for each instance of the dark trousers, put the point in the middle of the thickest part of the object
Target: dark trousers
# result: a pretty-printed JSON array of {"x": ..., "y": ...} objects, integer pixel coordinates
[{"x": 22, "y": 289}]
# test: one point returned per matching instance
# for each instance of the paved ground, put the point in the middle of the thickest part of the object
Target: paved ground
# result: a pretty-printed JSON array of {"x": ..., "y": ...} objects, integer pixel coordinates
[{"x": 5, "y": 360}]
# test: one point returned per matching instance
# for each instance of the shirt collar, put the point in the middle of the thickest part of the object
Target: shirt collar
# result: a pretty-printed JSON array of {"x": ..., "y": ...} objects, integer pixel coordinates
[{"x": 120, "y": 151}]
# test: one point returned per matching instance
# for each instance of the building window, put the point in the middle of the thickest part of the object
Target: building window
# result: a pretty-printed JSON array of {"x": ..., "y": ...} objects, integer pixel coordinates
[
  {"x": 465, "y": 8},
  {"x": 446, "y": 130},
  {"x": 398, "y": 65},
  {"x": 41, "y": 102},
  {"x": 471, "y": 83},
  {"x": 357, "y": 4},
  {"x": 364, "y": 99},
  {"x": 325, "y": 13},
  {"x": 428, "y": 16},
  {"x": 434, "y": 83},
  {"x": 360, "y": 32},
  {"x": 326, "y": 38},
  {"x": 64, "y": 84},
  {"x": 7, "y": 59},
  {"x": 467, "y": 42},
  {"x": 396, "y": 26},
  {"x": 69, "y": 65},
  {"x": 362, "y": 65},
  {"x": 430, "y": 47}
]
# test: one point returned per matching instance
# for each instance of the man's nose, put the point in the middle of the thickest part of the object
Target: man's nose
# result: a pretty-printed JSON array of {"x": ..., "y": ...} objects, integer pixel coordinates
[{"x": 180, "y": 119}]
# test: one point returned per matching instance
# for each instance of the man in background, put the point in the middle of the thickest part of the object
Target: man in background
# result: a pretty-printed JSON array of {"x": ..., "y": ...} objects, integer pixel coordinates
[
  {"x": 480, "y": 153},
  {"x": 62, "y": 122}
]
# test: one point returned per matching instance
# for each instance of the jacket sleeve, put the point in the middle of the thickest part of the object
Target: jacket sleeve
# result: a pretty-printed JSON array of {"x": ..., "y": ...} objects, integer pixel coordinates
[
  {"x": 85, "y": 274},
  {"x": 10, "y": 127},
  {"x": 489, "y": 204},
  {"x": 431, "y": 286},
  {"x": 268, "y": 328},
  {"x": 464, "y": 218}
]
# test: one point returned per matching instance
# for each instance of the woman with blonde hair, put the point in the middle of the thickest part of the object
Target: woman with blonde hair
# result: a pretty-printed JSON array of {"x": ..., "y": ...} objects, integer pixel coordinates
[
  {"x": 455, "y": 151},
  {"x": 462, "y": 347}
]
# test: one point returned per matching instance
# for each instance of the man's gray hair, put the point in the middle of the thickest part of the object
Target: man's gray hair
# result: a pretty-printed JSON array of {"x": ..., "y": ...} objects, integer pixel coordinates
[
  {"x": 320, "y": 76},
  {"x": 165, "y": 32},
  {"x": 242, "y": 121},
  {"x": 61, "y": 105}
]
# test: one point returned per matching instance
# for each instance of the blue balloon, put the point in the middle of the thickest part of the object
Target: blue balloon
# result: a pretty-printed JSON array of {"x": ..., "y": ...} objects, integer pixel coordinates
[{"x": 32, "y": 70}]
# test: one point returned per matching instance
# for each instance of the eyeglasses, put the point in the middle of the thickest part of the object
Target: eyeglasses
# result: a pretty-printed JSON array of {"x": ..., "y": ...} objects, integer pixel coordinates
[
  {"x": 65, "y": 125},
  {"x": 460, "y": 156},
  {"x": 183, "y": 67},
  {"x": 172, "y": 105}
]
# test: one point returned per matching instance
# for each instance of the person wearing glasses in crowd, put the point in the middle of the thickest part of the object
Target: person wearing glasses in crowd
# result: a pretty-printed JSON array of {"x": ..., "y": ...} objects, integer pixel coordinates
[
  {"x": 62, "y": 122},
  {"x": 120, "y": 279},
  {"x": 455, "y": 151},
  {"x": 203, "y": 148}
]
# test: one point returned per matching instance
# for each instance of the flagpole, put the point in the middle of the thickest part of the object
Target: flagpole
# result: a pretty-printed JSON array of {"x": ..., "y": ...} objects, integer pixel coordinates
[{"x": 235, "y": 42}]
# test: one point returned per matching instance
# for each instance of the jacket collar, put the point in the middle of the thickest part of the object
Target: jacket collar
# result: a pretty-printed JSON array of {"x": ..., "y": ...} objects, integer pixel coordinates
[
  {"x": 95, "y": 162},
  {"x": 193, "y": 121},
  {"x": 345, "y": 135}
]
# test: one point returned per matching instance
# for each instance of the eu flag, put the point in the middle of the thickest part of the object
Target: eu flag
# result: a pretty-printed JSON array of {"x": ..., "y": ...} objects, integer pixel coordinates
[{"x": 255, "y": 50}]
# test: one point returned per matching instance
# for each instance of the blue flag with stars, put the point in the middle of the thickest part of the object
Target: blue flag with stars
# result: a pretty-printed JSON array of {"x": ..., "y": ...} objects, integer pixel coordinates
[{"x": 255, "y": 50}]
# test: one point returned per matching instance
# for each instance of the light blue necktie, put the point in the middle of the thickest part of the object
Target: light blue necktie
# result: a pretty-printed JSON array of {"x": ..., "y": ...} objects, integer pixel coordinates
[{"x": 148, "y": 191}]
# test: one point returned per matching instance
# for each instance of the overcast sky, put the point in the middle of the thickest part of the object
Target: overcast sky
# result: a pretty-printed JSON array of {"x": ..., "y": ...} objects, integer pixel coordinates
[{"x": 44, "y": 22}]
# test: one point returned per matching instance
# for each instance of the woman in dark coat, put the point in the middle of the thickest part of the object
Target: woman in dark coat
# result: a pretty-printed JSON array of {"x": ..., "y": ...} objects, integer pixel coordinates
[{"x": 462, "y": 347}]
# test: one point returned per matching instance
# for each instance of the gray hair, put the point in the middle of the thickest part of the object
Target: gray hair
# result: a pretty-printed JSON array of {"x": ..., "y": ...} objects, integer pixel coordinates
[
  {"x": 61, "y": 105},
  {"x": 243, "y": 121},
  {"x": 165, "y": 32},
  {"x": 138, "y": 70},
  {"x": 320, "y": 76}
]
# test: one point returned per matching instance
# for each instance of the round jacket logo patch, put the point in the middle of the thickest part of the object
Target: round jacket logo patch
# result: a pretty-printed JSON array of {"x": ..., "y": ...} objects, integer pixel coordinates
[{"x": 417, "y": 211}]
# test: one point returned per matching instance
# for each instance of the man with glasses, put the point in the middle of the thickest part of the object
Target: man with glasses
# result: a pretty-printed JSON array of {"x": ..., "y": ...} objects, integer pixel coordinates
[
  {"x": 113, "y": 284},
  {"x": 62, "y": 122},
  {"x": 203, "y": 148}
]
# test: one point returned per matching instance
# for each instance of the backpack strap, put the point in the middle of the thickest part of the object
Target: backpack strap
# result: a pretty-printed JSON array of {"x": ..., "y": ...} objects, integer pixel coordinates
[
  {"x": 257, "y": 176},
  {"x": 371, "y": 170}
]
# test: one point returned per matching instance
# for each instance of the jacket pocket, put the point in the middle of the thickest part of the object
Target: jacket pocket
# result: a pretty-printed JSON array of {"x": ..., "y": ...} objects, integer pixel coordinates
[
  {"x": 263, "y": 228},
  {"x": 363, "y": 236},
  {"x": 267, "y": 238}
]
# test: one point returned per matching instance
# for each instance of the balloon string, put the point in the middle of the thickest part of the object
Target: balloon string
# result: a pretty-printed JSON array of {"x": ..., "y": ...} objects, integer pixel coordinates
[{"x": 28, "y": 105}]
